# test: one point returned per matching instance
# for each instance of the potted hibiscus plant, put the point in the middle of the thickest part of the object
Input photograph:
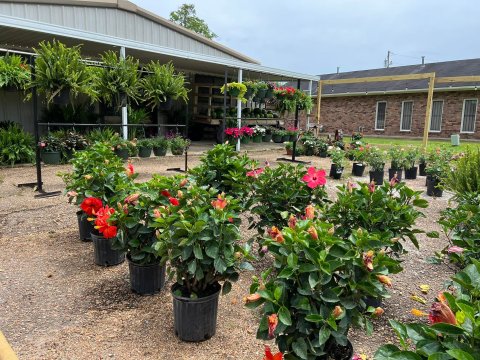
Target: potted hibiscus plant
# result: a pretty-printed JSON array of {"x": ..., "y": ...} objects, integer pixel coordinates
[
  {"x": 96, "y": 173},
  {"x": 135, "y": 220},
  {"x": 398, "y": 162},
  {"x": 376, "y": 161},
  {"x": 337, "y": 156},
  {"x": 313, "y": 293},
  {"x": 411, "y": 155},
  {"x": 359, "y": 158},
  {"x": 200, "y": 233}
]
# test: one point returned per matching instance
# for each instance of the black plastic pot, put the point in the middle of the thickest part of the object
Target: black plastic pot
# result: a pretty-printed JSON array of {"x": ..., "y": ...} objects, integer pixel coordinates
[
  {"x": 392, "y": 172},
  {"x": 158, "y": 151},
  {"x": 122, "y": 153},
  {"x": 103, "y": 252},
  {"x": 377, "y": 177},
  {"x": 195, "y": 319},
  {"x": 177, "y": 151},
  {"x": 267, "y": 138},
  {"x": 51, "y": 157},
  {"x": 358, "y": 169},
  {"x": 432, "y": 187},
  {"x": 336, "y": 172},
  {"x": 421, "y": 169},
  {"x": 85, "y": 227},
  {"x": 323, "y": 154},
  {"x": 146, "y": 279},
  {"x": 411, "y": 174},
  {"x": 285, "y": 138},
  {"x": 338, "y": 352},
  {"x": 144, "y": 152},
  {"x": 277, "y": 138},
  {"x": 167, "y": 105}
]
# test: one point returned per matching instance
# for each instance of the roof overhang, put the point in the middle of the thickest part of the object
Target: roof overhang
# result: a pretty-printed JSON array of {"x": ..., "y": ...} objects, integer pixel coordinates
[{"x": 21, "y": 34}]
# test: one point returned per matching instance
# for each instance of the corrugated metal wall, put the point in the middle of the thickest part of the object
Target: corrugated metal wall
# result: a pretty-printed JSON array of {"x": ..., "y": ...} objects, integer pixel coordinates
[
  {"x": 109, "y": 21},
  {"x": 13, "y": 108}
]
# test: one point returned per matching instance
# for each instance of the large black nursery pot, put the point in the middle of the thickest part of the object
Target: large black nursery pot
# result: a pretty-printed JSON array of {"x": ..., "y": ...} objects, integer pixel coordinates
[
  {"x": 392, "y": 172},
  {"x": 277, "y": 138},
  {"x": 103, "y": 252},
  {"x": 166, "y": 105},
  {"x": 51, "y": 157},
  {"x": 336, "y": 351},
  {"x": 432, "y": 186},
  {"x": 267, "y": 138},
  {"x": 358, "y": 169},
  {"x": 158, "y": 151},
  {"x": 421, "y": 169},
  {"x": 122, "y": 153},
  {"x": 323, "y": 154},
  {"x": 411, "y": 174},
  {"x": 144, "y": 151},
  {"x": 195, "y": 319},
  {"x": 376, "y": 176},
  {"x": 146, "y": 279},
  {"x": 336, "y": 171},
  {"x": 85, "y": 227}
]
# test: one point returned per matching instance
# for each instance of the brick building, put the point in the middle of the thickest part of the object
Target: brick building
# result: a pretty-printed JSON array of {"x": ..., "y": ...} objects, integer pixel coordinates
[{"x": 397, "y": 108}]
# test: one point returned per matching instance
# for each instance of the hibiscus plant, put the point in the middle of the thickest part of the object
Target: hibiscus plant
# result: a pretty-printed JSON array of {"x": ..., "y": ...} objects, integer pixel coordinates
[
  {"x": 135, "y": 217},
  {"x": 454, "y": 325},
  {"x": 98, "y": 172},
  {"x": 283, "y": 190},
  {"x": 315, "y": 289},
  {"x": 390, "y": 211},
  {"x": 200, "y": 233}
]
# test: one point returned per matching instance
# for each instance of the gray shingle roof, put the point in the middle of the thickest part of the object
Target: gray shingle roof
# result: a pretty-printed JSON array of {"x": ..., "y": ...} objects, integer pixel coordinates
[{"x": 441, "y": 69}]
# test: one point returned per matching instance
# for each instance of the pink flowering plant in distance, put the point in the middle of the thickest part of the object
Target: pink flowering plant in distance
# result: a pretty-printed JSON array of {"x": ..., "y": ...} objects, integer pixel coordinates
[
  {"x": 314, "y": 290},
  {"x": 286, "y": 189}
]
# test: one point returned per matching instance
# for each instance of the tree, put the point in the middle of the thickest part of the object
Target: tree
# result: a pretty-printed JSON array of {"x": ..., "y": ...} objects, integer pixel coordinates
[{"x": 186, "y": 16}]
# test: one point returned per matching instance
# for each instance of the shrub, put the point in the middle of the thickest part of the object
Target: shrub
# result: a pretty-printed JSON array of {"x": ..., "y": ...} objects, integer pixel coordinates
[
  {"x": 461, "y": 225},
  {"x": 16, "y": 146},
  {"x": 225, "y": 170},
  {"x": 280, "y": 191},
  {"x": 411, "y": 156},
  {"x": 438, "y": 163},
  {"x": 14, "y": 72},
  {"x": 337, "y": 156},
  {"x": 315, "y": 290},
  {"x": 160, "y": 142},
  {"x": 389, "y": 211},
  {"x": 397, "y": 157},
  {"x": 145, "y": 143},
  {"x": 375, "y": 158},
  {"x": 465, "y": 174}
]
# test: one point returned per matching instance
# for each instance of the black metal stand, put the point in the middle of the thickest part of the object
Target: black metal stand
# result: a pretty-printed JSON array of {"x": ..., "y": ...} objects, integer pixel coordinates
[
  {"x": 179, "y": 169},
  {"x": 293, "y": 160}
]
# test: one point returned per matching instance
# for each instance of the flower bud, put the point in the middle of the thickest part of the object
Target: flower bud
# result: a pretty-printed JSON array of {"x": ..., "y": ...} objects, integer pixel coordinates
[
  {"x": 337, "y": 312},
  {"x": 88, "y": 177},
  {"x": 378, "y": 312},
  {"x": 251, "y": 298}
]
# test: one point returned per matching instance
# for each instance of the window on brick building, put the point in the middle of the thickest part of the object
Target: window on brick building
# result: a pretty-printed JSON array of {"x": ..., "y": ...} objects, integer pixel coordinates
[
  {"x": 437, "y": 113},
  {"x": 380, "y": 117},
  {"x": 469, "y": 115},
  {"x": 406, "y": 116}
]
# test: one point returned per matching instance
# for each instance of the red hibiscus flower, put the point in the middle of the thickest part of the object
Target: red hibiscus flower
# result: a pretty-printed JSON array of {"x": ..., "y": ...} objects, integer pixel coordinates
[
  {"x": 292, "y": 222},
  {"x": 102, "y": 223},
  {"x": 371, "y": 186},
  {"x": 270, "y": 356},
  {"x": 272, "y": 325},
  {"x": 91, "y": 205},
  {"x": 220, "y": 203},
  {"x": 166, "y": 193},
  {"x": 440, "y": 312},
  {"x": 276, "y": 234},
  {"x": 315, "y": 178},
  {"x": 110, "y": 232},
  {"x": 129, "y": 170},
  {"x": 255, "y": 173},
  {"x": 174, "y": 201}
]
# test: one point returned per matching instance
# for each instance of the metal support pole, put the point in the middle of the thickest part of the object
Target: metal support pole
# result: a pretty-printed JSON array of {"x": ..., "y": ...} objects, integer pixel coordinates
[
  {"x": 38, "y": 164},
  {"x": 124, "y": 106},
  {"x": 239, "y": 108},
  {"x": 310, "y": 87},
  {"x": 224, "y": 122},
  {"x": 296, "y": 124}
]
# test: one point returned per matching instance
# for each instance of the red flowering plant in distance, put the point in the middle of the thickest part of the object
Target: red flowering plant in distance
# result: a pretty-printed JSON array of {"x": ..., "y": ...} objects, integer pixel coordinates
[{"x": 314, "y": 290}]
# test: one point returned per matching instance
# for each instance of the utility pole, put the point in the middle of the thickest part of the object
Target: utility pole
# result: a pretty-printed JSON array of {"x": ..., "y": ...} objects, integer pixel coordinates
[
  {"x": 387, "y": 60},
  {"x": 423, "y": 60}
]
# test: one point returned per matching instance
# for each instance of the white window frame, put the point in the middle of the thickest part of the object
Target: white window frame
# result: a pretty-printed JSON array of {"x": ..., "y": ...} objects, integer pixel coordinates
[
  {"x": 376, "y": 116},
  {"x": 441, "y": 117},
  {"x": 401, "y": 117},
  {"x": 475, "y": 118}
]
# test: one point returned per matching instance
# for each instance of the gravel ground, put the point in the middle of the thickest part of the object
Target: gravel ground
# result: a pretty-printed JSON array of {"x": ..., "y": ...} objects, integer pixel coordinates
[{"x": 56, "y": 304}]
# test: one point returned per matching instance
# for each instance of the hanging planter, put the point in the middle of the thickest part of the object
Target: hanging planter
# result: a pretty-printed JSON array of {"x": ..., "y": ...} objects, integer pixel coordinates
[
  {"x": 62, "y": 98},
  {"x": 195, "y": 319},
  {"x": 236, "y": 90},
  {"x": 166, "y": 105}
]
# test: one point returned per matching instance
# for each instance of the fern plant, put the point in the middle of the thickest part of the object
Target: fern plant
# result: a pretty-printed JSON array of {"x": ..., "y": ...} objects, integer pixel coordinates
[
  {"x": 14, "y": 72},
  {"x": 118, "y": 77},
  {"x": 16, "y": 146},
  {"x": 59, "y": 68},
  {"x": 464, "y": 177},
  {"x": 162, "y": 84}
]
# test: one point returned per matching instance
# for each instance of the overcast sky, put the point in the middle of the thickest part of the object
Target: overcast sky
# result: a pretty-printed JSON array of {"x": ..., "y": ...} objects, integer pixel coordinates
[{"x": 316, "y": 36}]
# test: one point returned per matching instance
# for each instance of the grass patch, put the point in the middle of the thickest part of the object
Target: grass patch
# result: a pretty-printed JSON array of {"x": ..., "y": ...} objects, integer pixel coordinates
[{"x": 432, "y": 144}]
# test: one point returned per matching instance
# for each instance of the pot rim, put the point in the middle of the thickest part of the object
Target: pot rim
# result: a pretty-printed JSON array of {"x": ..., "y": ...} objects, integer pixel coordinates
[
  {"x": 197, "y": 300},
  {"x": 130, "y": 261}
]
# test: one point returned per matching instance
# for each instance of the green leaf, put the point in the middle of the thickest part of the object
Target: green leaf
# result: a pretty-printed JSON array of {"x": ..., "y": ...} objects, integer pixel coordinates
[
  {"x": 433, "y": 234},
  {"x": 212, "y": 250},
  {"x": 226, "y": 288},
  {"x": 300, "y": 348},
  {"x": 447, "y": 329},
  {"x": 192, "y": 267},
  {"x": 220, "y": 265},
  {"x": 316, "y": 318},
  {"x": 460, "y": 354},
  {"x": 439, "y": 356},
  {"x": 324, "y": 335},
  {"x": 405, "y": 355},
  {"x": 329, "y": 296},
  {"x": 385, "y": 351},
  {"x": 284, "y": 316},
  {"x": 197, "y": 250},
  {"x": 278, "y": 292}
]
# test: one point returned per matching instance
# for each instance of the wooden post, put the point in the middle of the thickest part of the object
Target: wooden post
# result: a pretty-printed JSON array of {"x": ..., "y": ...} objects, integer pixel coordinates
[
  {"x": 319, "y": 102},
  {"x": 428, "y": 115}
]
